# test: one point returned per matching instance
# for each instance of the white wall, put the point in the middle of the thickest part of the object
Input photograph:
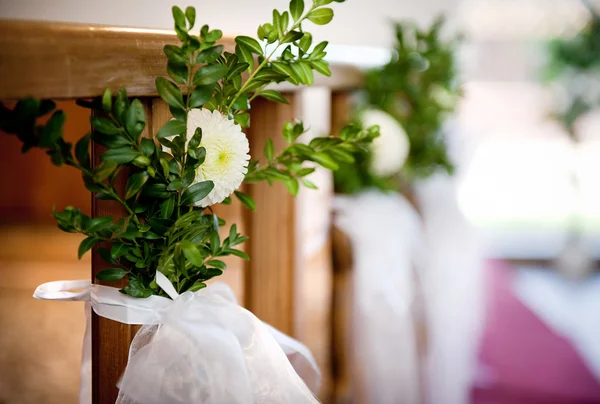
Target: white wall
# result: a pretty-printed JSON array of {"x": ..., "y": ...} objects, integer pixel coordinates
[{"x": 357, "y": 22}]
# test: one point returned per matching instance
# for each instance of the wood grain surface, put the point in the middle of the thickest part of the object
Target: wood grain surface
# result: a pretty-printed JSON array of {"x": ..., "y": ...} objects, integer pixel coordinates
[{"x": 66, "y": 60}]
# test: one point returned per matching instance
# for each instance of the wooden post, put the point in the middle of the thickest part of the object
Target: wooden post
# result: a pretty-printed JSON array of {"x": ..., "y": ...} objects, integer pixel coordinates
[
  {"x": 341, "y": 300},
  {"x": 269, "y": 277}
]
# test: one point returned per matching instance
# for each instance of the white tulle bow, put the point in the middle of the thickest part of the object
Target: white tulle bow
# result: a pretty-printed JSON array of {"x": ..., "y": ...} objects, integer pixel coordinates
[{"x": 200, "y": 347}]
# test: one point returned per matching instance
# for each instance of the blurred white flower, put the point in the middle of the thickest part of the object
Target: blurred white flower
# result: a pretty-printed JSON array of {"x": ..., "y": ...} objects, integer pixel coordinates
[
  {"x": 390, "y": 148},
  {"x": 227, "y": 155}
]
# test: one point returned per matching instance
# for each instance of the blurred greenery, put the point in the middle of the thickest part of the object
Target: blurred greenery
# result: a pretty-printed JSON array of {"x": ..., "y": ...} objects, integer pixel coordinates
[
  {"x": 419, "y": 88},
  {"x": 575, "y": 57}
]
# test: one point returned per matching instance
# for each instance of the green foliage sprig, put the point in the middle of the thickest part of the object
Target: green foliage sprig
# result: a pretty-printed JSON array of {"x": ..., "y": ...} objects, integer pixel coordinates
[
  {"x": 419, "y": 88},
  {"x": 163, "y": 229},
  {"x": 570, "y": 58}
]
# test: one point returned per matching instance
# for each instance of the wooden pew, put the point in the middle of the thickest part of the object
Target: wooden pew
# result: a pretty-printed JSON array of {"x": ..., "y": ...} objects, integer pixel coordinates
[{"x": 65, "y": 61}]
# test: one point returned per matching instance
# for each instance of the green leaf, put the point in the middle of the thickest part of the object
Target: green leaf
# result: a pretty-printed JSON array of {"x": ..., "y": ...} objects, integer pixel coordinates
[
  {"x": 175, "y": 185},
  {"x": 135, "y": 288},
  {"x": 215, "y": 242},
  {"x": 300, "y": 72},
  {"x": 135, "y": 183},
  {"x": 292, "y": 185},
  {"x": 141, "y": 161},
  {"x": 190, "y": 14},
  {"x": 167, "y": 207},
  {"x": 309, "y": 184},
  {"x": 324, "y": 160},
  {"x": 104, "y": 170},
  {"x": 288, "y": 132},
  {"x": 284, "y": 22},
  {"x": 210, "y": 74},
  {"x": 179, "y": 18},
  {"x": 305, "y": 42},
  {"x": 242, "y": 119},
  {"x": 111, "y": 274},
  {"x": 269, "y": 149},
  {"x": 201, "y": 95},
  {"x": 135, "y": 118},
  {"x": 197, "y": 192},
  {"x": 156, "y": 191},
  {"x": 178, "y": 113},
  {"x": 87, "y": 245},
  {"x": 197, "y": 286},
  {"x": 82, "y": 151},
  {"x": 267, "y": 74},
  {"x": 245, "y": 56},
  {"x": 177, "y": 72},
  {"x": 121, "y": 104},
  {"x": 191, "y": 253},
  {"x": 282, "y": 68},
  {"x": 238, "y": 69},
  {"x": 273, "y": 95},
  {"x": 210, "y": 55},
  {"x": 120, "y": 155},
  {"x": 46, "y": 106},
  {"x": 147, "y": 146},
  {"x": 217, "y": 264},
  {"x": 321, "y": 66},
  {"x": 292, "y": 36},
  {"x": 196, "y": 139},
  {"x": 171, "y": 128},
  {"x": 296, "y": 9},
  {"x": 105, "y": 255},
  {"x": 118, "y": 249},
  {"x": 232, "y": 232},
  {"x": 107, "y": 101},
  {"x": 104, "y": 125},
  {"x": 246, "y": 200},
  {"x": 320, "y": 16},
  {"x": 341, "y": 156},
  {"x": 98, "y": 223},
  {"x": 320, "y": 47},
  {"x": 169, "y": 92},
  {"x": 175, "y": 55},
  {"x": 238, "y": 253},
  {"x": 250, "y": 43},
  {"x": 53, "y": 129},
  {"x": 242, "y": 103},
  {"x": 307, "y": 72},
  {"x": 278, "y": 24}
]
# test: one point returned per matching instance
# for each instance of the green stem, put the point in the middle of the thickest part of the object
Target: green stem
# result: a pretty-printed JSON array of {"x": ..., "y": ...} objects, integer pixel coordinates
[{"x": 267, "y": 59}]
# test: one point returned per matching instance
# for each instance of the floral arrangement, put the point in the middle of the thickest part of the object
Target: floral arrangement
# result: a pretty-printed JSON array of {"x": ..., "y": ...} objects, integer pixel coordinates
[
  {"x": 197, "y": 159},
  {"x": 409, "y": 98},
  {"x": 574, "y": 68}
]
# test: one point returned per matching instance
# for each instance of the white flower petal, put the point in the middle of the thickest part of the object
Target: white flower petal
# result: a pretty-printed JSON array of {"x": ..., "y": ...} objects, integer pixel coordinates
[
  {"x": 227, "y": 155},
  {"x": 390, "y": 148}
]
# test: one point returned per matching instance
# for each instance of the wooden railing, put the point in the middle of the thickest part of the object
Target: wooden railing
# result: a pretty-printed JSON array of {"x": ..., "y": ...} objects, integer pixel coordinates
[{"x": 69, "y": 61}]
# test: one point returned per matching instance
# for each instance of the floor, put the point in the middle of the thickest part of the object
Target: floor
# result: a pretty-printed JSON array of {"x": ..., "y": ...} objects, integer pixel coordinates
[{"x": 40, "y": 341}]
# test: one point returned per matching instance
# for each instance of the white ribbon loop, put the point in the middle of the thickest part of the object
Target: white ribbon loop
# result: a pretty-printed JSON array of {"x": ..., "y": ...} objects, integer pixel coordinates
[
  {"x": 166, "y": 285},
  {"x": 64, "y": 290}
]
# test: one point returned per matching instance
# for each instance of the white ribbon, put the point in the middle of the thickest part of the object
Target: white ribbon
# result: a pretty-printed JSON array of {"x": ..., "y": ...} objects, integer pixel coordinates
[{"x": 215, "y": 331}]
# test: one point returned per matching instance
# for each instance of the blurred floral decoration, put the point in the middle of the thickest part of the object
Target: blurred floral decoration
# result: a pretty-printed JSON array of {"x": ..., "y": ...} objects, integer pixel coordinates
[
  {"x": 409, "y": 98},
  {"x": 574, "y": 69}
]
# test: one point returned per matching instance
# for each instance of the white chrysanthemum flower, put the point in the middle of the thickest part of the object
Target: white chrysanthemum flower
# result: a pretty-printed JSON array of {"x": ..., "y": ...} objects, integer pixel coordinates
[
  {"x": 390, "y": 148},
  {"x": 227, "y": 155}
]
